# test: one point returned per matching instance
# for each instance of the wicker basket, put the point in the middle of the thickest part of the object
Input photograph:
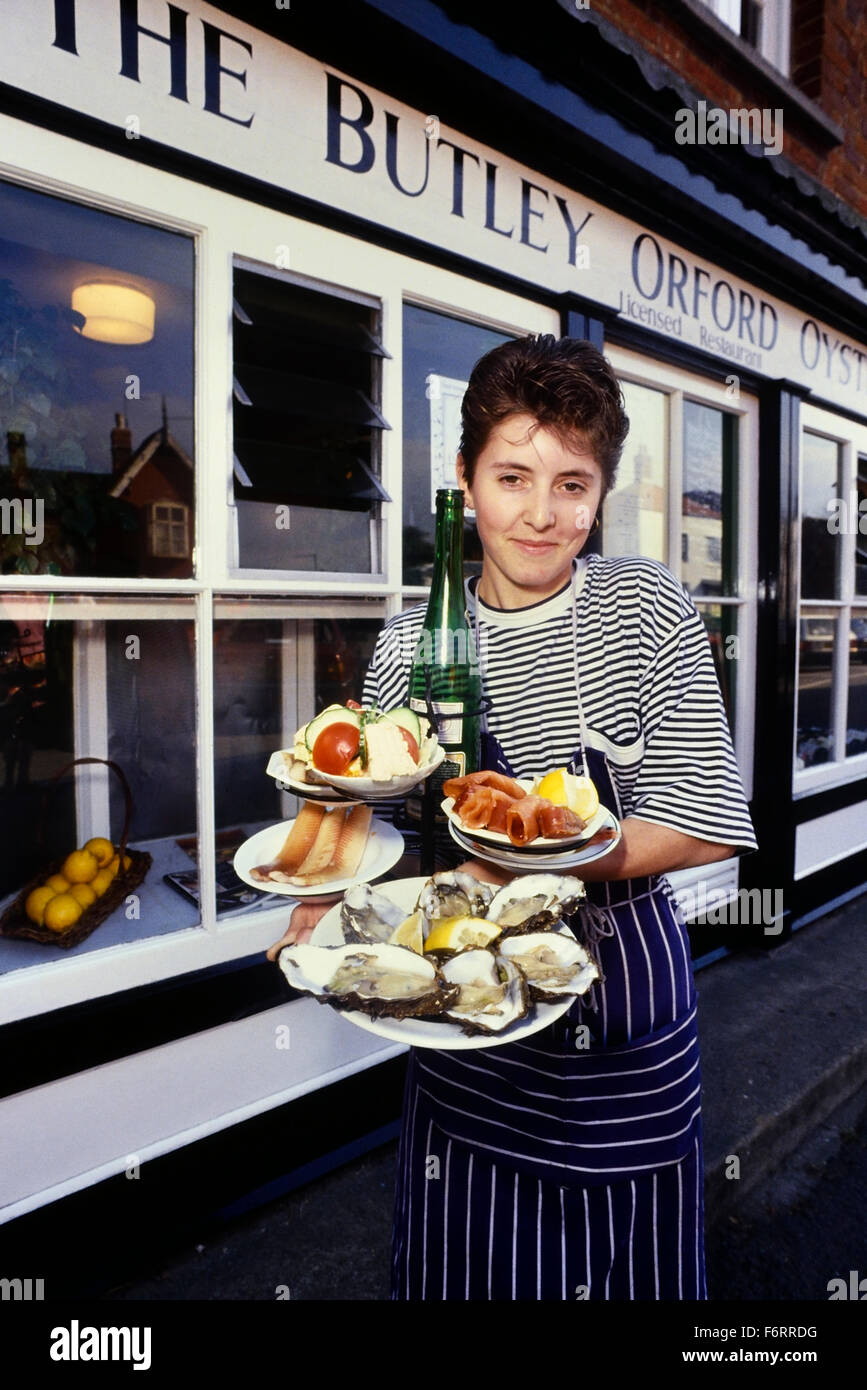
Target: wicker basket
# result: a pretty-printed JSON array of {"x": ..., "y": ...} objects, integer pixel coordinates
[{"x": 15, "y": 922}]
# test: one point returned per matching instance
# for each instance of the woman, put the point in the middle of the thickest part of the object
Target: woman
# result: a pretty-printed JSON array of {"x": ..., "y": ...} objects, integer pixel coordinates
[{"x": 569, "y": 1165}]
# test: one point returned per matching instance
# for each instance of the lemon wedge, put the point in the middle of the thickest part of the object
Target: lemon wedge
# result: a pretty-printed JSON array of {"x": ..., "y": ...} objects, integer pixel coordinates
[
  {"x": 563, "y": 788},
  {"x": 459, "y": 933},
  {"x": 409, "y": 933}
]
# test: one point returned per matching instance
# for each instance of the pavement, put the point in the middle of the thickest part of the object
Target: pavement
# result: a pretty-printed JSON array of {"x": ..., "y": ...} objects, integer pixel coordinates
[{"x": 784, "y": 1056}]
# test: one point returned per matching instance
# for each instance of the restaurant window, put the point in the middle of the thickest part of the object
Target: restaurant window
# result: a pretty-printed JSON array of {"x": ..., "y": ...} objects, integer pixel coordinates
[
  {"x": 439, "y": 352},
  {"x": 96, "y": 387},
  {"x": 831, "y": 725},
  {"x": 110, "y": 678},
  {"x": 273, "y": 671},
  {"x": 681, "y": 497},
  {"x": 307, "y": 425}
]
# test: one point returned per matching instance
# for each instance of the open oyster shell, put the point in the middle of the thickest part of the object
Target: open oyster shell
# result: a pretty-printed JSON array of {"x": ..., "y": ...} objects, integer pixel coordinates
[
  {"x": 552, "y": 962},
  {"x": 368, "y": 916},
  {"x": 382, "y": 981},
  {"x": 453, "y": 893},
  {"x": 534, "y": 902},
  {"x": 493, "y": 992}
]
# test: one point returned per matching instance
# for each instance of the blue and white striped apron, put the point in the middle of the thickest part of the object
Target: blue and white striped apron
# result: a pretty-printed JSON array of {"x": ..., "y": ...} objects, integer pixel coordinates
[{"x": 546, "y": 1170}]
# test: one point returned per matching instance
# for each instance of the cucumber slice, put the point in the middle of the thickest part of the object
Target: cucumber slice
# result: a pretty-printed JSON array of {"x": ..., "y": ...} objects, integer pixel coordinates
[
  {"x": 407, "y": 719},
  {"x": 335, "y": 714}
]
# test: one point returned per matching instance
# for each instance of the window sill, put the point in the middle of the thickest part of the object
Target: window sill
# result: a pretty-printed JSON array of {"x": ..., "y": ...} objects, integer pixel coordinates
[{"x": 828, "y": 776}]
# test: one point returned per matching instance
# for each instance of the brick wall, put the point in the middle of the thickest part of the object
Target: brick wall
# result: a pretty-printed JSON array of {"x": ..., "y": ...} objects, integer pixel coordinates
[{"x": 829, "y": 64}]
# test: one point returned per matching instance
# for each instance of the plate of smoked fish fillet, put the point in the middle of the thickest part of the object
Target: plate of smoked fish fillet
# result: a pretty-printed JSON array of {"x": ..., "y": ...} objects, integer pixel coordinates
[
  {"x": 323, "y": 851},
  {"x": 504, "y": 812}
]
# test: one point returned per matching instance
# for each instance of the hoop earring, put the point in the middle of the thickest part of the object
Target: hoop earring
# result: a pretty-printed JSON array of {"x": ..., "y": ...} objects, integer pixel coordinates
[{"x": 595, "y": 526}]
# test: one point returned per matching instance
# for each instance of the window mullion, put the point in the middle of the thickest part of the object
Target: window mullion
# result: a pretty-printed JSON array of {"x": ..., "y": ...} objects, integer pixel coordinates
[{"x": 675, "y": 482}]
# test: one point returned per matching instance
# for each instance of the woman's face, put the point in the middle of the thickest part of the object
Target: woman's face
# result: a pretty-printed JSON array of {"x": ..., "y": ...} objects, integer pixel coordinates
[{"x": 535, "y": 500}]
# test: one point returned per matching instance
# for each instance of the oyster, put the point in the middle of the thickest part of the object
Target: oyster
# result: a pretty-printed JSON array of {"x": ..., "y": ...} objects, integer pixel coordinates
[
  {"x": 534, "y": 902},
  {"x": 493, "y": 992},
  {"x": 368, "y": 916},
  {"x": 454, "y": 894},
  {"x": 552, "y": 962},
  {"x": 382, "y": 981}
]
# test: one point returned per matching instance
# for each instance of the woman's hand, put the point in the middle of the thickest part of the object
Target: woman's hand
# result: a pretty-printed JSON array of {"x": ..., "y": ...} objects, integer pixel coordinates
[
  {"x": 488, "y": 873},
  {"x": 301, "y": 924}
]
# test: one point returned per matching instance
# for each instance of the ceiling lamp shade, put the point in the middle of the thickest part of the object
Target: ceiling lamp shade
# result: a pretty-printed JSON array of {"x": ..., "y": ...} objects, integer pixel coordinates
[{"x": 114, "y": 313}]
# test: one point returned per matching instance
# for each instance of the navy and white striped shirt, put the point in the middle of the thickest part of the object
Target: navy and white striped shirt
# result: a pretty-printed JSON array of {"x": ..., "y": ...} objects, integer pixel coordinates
[{"x": 649, "y": 689}]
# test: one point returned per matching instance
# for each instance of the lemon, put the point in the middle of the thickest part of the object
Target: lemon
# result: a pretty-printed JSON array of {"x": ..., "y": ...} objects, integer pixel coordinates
[
  {"x": 459, "y": 933},
  {"x": 61, "y": 912},
  {"x": 563, "y": 788},
  {"x": 58, "y": 883},
  {"x": 101, "y": 849},
  {"x": 409, "y": 933},
  {"x": 35, "y": 903},
  {"x": 80, "y": 866},
  {"x": 83, "y": 893},
  {"x": 113, "y": 866},
  {"x": 102, "y": 881}
]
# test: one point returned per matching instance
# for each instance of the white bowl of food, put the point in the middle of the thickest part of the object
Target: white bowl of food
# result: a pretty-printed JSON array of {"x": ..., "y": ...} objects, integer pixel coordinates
[{"x": 364, "y": 754}]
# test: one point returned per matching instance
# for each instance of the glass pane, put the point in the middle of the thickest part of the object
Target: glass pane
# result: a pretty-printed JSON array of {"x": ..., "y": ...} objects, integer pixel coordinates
[
  {"x": 861, "y": 529},
  {"x": 439, "y": 352},
  {"x": 96, "y": 387},
  {"x": 721, "y": 621},
  {"x": 856, "y": 718},
  {"x": 709, "y": 505},
  {"x": 87, "y": 677},
  {"x": 307, "y": 427},
  {"x": 633, "y": 515},
  {"x": 820, "y": 546},
  {"x": 815, "y": 738},
  {"x": 271, "y": 675}
]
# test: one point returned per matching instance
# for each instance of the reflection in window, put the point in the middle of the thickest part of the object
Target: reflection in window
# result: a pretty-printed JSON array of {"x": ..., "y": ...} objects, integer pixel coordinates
[
  {"x": 861, "y": 535},
  {"x": 167, "y": 531},
  {"x": 815, "y": 728},
  {"x": 820, "y": 546},
  {"x": 634, "y": 521},
  {"x": 709, "y": 499},
  {"x": 96, "y": 312},
  {"x": 721, "y": 622},
  {"x": 271, "y": 675},
  {"x": 439, "y": 352},
  {"x": 856, "y": 716},
  {"x": 91, "y": 677}
]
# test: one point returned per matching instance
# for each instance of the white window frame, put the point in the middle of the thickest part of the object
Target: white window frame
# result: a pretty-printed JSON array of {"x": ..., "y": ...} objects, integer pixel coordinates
[
  {"x": 225, "y": 228},
  {"x": 852, "y": 437},
  {"x": 679, "y": 385}
]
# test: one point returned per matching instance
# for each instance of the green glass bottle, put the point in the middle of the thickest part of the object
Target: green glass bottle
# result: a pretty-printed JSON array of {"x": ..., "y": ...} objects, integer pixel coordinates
[{"x": 445, "y": 666}]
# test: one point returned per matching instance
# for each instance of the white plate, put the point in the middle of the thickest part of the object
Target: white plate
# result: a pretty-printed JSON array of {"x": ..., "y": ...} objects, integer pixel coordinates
[
  {"x": 518, "y": 860},
  {"x": 418, "y": 1032},
  {"x": 314, "y": 791},
  {"x": 366, "y": 789},
  {"x": 384, "y": 848},
  {"x": 542, "y": 845}
]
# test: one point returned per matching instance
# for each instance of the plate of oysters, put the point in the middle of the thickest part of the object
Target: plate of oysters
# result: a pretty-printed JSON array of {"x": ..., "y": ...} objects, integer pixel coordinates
[{"x": 448, "y": 961}]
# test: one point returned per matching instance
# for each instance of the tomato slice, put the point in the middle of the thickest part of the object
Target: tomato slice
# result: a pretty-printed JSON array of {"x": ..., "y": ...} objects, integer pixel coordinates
[
  {"x": 335, "y": 748},
  {"x": 411, "y": 744}
]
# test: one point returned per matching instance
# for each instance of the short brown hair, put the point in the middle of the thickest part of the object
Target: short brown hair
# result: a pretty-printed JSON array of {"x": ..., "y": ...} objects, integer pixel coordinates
[{"x": 565, "y": 383}]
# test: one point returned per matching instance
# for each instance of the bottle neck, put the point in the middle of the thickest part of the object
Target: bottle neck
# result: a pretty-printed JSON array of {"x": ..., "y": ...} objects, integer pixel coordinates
[{"x": 447, "y": 585}]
